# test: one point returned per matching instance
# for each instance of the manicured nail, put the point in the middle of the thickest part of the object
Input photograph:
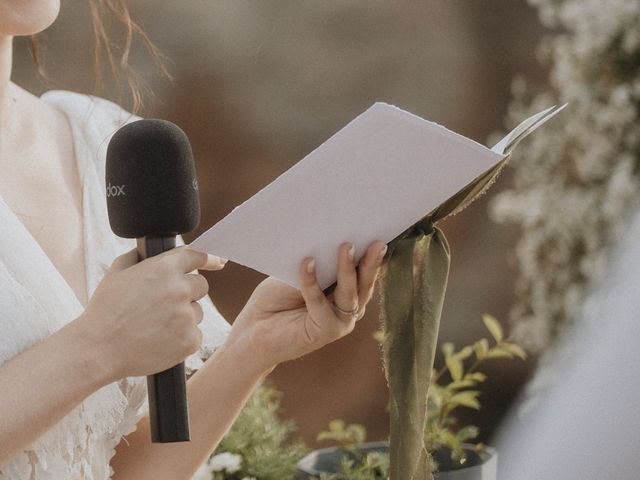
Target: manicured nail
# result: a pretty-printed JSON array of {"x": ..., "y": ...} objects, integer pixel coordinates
[
  {"x": 382, "y": 252},
  {"x": 311, "y": 265},
  {"x": 220, "y": 260},
  {"x": 352, "y": 251}
]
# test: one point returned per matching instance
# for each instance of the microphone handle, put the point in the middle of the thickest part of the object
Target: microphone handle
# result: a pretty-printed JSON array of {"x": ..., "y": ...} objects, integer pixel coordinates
[{"x": 167, "y": 390}]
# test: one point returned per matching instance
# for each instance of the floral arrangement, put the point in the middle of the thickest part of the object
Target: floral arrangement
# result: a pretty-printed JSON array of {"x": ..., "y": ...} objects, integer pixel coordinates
[{"x": 575, "y": 182}]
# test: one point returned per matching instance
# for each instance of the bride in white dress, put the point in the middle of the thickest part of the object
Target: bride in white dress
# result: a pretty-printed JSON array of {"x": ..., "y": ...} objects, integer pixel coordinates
[{"x": 81, "y": 322}]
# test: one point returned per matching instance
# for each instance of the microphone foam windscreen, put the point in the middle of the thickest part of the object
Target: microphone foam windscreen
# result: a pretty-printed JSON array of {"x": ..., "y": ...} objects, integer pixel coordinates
[{"x": 150, "y": 178}]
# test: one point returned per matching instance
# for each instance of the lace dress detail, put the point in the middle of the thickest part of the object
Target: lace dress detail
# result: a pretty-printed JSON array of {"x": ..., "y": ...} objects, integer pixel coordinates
[{"x": 36, "y": 301}]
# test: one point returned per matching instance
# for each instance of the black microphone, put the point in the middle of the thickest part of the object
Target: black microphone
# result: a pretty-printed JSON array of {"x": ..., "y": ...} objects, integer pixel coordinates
[{"x": 152, "y": 196}]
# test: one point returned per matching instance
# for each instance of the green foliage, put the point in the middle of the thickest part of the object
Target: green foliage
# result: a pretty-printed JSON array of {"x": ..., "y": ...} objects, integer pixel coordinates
[
  {"x": 444, "y": 397},
  {"x": 369, "y": 466},
  {"x": 262, "y": 440},
  {"x": 343, "y": 435},
  {"x": 356, "y": 465},
  {"x": 493, "y": 326},
  {"x": 461, "y": 391}
]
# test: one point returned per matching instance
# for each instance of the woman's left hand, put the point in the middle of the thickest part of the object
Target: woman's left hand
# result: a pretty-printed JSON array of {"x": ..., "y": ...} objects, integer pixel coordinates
[{"x": 280, "y": 322}]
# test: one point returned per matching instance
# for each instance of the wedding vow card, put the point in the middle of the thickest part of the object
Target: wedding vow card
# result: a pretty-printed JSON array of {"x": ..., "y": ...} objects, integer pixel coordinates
[{"x": 373, "y": 179}]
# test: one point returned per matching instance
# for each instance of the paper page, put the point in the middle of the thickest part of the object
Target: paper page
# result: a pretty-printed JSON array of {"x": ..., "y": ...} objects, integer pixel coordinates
[
  {"x": 374, "y": 178},
  {"x": 525, "y": 128}
]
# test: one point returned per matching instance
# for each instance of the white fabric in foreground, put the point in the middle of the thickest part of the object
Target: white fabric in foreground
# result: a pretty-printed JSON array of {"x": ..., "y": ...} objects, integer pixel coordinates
[
  {"x": 585, "y": 425},
  {"x": 36, "y": 301}
]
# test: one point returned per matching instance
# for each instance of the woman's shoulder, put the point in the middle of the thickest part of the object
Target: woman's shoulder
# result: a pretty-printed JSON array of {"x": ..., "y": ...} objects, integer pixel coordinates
[
  {"x": 98, "y": 118},
  {"x": 89, "y": 107},
  {"x": 93, "y": 121}
]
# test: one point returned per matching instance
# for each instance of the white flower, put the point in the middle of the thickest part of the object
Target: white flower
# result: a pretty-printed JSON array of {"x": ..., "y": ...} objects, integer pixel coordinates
[{"x": 229, "y": 462}]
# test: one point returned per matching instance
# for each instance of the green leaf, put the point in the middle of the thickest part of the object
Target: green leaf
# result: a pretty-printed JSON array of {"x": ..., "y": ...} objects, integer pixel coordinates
[
  {"x": 435, "y": 437},
  {"x": 475, "y": 376},
  {"x": 514, "y": 349},
  {"x": 345, "y": 435},
  {"x": 336, "y": 425},
  {"x": 481, "y": 347},
  {"x": 455, "y": 367},
  {"x": 493, "y": 326},
  {"x": 466, "y": 399},
  {"x": 499, "y": 352},
  {"x": 458, "y": 384},
  {"x": 322, "y": 436},
  {"x": 356, "y": 433},
  {"x": 464, "y": 353},
  {"x": 467, "y": 433},
  {"x": 447, "y": 348},
  {"x": 451, "y": 441}
]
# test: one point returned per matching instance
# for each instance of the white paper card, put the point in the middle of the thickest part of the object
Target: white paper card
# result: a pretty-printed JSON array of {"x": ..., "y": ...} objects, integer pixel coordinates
[{"x": 377, "y": 176}]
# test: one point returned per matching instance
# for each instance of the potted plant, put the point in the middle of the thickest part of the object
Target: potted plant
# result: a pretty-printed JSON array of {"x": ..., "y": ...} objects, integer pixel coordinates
[
  {"x": 452, "y": 386},
  {"x": 259, "y": 446}
]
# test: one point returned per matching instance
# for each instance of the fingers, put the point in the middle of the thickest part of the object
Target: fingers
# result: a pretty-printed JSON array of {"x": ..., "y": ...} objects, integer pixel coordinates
[
  {"x": 195, "y": 339},
  {"x": 317, "y": 303},
  {"x": 126, "y": 260},
  {"x": 214, "y": 263},
  {"x": 353, "y": 288},
  {"x": 198, "y": 286},
  {"x": 369, "y": 269},
  {"x": 345, "y": 294},
  {"x": 186, "y": 259},
  {"x": 356, "y": 287},
  {"x": 198, "y": 313},
  {"x": 181, "y": 258}
]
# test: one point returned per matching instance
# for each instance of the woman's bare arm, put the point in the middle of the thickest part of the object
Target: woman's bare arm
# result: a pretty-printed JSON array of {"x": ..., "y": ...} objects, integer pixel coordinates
[
  {"x": 216, "y": 394},
  {"x": 39, "y": 386}
]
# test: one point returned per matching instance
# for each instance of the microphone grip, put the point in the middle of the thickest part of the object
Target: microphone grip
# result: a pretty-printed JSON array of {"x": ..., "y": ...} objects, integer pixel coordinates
[{"x": 167, "y": 390}]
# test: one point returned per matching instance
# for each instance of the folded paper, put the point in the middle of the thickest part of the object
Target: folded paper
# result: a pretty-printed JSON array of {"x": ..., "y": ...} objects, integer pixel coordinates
[{"x": 382, "y": 172}]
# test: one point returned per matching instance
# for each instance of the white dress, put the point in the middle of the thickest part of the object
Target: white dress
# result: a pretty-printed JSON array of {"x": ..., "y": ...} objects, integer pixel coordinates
[{"x": 36, "y": 301}]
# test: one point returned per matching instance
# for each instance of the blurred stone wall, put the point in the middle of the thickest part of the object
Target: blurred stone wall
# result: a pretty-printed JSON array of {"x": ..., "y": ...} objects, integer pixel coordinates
[{"x": 259, "y": 84}]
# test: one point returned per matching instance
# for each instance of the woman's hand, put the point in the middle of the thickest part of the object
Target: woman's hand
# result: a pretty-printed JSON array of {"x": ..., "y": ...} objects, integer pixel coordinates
[
  {"x": 143, "y": 316},
  {"x": 280, "y": 322}
]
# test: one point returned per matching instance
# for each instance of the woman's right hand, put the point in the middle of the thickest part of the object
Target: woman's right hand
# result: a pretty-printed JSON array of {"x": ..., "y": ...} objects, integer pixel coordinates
[{"x": 145, "y": 315}]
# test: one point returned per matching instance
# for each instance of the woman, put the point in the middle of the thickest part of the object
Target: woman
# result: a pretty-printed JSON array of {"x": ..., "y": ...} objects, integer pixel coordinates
[{"x": 77, "y": 342}]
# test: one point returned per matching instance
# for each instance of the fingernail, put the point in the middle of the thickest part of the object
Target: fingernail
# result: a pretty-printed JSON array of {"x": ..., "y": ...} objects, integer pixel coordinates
[
  {"x": 214, "y": 258},
  {"x": 311, "y": 266},
  {"x": 382, "y": 252},
  {"x": 352, "y": 251}
]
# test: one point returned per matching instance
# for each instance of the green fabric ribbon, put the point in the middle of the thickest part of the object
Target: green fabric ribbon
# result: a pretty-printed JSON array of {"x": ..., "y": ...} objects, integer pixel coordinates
[{"x": 412, "y": 288}]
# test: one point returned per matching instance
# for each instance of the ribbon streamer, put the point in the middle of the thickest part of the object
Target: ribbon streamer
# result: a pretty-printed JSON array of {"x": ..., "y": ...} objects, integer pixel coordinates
[{"x": 412, "y": 288}]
